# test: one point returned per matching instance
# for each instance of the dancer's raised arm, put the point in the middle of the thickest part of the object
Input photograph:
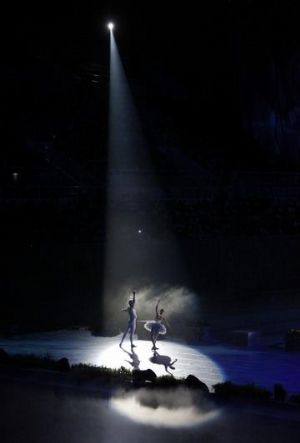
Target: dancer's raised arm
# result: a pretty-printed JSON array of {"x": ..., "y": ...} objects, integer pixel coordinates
[
  {"x": 156, "y": 307},
  {"x": 133, "y": 298}
]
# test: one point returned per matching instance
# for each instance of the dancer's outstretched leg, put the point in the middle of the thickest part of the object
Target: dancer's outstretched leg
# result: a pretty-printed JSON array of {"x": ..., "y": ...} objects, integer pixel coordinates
[{"x": 124, "y": 335}]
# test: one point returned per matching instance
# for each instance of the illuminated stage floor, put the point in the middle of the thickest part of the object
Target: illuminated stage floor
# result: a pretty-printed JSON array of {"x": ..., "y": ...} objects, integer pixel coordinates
[
  {"x": 212, "y": 364},
  {"x": 189, "y": 360}
]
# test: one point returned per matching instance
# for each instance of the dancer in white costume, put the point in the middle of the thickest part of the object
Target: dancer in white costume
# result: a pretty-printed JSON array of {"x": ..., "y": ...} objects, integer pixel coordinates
[
  {"x": 131, "y": 321},
  {"x": 157, "y": 326}
]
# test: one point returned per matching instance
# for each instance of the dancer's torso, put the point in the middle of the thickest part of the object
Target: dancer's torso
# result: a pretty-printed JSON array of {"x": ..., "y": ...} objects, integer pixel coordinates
[
  {"x": 132, "y": 314},
  {"x": 159, "y": 317}
]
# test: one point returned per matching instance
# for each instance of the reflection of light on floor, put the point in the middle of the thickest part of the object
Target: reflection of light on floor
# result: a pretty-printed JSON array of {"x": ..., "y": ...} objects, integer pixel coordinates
[
  {"x": 160, "y": 415},
  {"x": 189, "y": 360}
]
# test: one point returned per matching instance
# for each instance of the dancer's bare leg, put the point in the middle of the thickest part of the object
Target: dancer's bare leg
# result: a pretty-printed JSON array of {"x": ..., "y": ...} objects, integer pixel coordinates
[
  {"x": 153, "y": 339},
  {"x": 131, "y": 338},
  {"x": 124, "y": 335}
]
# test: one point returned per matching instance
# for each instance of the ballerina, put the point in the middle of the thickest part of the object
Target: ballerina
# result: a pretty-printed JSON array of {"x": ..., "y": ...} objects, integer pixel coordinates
[
  {"x": 131, "y": 321},
  {"x": 156, "y": 327}
]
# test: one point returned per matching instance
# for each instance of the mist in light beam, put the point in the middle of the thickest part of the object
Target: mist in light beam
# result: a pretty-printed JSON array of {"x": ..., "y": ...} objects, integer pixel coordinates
[
  {"x": 127, "y": 147},
  {"x": 131, "y": 255},
  {"x": 180, "y": 304}
]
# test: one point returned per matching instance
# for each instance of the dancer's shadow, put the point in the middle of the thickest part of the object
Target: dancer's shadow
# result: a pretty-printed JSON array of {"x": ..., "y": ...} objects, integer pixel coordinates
[
  {"x": 164, "y": 360},
  {"x": 134, "y": 359}
]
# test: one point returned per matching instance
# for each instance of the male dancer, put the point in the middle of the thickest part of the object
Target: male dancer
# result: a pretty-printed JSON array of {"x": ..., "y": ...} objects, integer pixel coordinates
[{"x": 131, "y": 321}]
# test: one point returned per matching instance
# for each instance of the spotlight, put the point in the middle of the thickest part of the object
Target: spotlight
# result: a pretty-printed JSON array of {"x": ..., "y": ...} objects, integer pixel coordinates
[
  {"x": 140, "y": 231},
  {"x": 110, "y": 26}
]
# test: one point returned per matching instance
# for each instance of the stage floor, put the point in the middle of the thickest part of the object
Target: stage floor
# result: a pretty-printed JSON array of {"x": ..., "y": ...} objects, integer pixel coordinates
[{"x": 212, "y": 364}]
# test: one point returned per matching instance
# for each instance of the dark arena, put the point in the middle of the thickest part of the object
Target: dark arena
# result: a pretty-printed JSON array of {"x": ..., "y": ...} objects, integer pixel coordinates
[{"x": 150, "y": 222}]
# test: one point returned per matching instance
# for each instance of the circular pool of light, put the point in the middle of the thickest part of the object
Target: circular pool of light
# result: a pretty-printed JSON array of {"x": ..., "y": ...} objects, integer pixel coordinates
[{"x": 189, "y": 360}]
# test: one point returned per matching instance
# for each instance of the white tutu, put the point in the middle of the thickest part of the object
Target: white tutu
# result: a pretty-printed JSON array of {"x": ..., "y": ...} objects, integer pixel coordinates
[{"x": 155, "y": 327}]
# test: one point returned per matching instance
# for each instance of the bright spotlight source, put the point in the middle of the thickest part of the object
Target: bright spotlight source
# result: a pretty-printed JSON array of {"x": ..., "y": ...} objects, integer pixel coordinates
[{"x": 110, "y": 26}]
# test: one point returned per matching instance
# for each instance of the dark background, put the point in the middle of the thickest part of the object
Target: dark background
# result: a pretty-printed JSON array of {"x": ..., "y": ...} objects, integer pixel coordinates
[{"x": 217, "y": 91}]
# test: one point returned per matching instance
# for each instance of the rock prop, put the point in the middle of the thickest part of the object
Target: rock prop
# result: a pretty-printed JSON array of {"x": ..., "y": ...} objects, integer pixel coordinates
[
  {"x": 193, "y": 382},
  {"x": 139, "y": 376}
]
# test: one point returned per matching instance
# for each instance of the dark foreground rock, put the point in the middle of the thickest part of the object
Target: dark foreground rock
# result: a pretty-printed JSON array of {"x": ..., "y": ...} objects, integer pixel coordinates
[
  {"x": 139, "y": 376},
  {"x": 193, "y": 382}
]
